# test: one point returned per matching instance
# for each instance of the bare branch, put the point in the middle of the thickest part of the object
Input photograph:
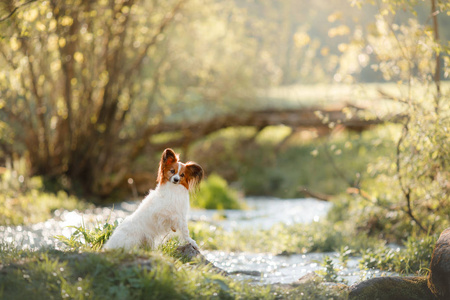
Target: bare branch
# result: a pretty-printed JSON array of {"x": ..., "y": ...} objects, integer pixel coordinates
[
  {"x": 406, "y": 190},
  {"x": 437, "y": 72},
  {"x": 15, "y": 9},
  {"x": 166, "y": 21}
]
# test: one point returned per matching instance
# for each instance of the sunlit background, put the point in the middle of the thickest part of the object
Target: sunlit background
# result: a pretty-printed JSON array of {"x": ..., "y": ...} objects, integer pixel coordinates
[{"x": 340, "y": 101}]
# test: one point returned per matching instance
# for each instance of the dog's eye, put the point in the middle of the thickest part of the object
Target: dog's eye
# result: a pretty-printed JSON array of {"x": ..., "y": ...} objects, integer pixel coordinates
[
  {"x": 182, "y": 175},
  {"x": 172, "y": 171}
]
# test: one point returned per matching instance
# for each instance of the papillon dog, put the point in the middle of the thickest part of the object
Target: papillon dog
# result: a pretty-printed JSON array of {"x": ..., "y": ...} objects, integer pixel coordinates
[{"x": 164, "y": 209}]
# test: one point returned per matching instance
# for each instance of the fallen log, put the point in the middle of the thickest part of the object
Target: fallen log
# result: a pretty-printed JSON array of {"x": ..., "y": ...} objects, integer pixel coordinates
[{"x": 348, "y": 117}]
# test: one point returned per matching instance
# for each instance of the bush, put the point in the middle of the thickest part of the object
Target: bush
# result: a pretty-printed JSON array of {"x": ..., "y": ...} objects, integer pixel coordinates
[
  {"x": 215, "y": 193},
  {"x": 23, "y": 199},
  {"x": 414, "y": 258}
]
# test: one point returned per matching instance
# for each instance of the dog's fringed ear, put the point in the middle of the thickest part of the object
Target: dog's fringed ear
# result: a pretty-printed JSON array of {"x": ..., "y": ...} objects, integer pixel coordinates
[
  {"x": 195, "y": 174},
  {"x": 168, "y": 157}
]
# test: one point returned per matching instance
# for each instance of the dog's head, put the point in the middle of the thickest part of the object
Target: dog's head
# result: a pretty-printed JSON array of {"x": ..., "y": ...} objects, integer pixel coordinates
[{"x": 171, "y": 170}]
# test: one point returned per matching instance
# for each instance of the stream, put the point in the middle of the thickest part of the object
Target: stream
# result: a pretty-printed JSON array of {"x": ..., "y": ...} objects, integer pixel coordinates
[{"x": 260, "y": 268}]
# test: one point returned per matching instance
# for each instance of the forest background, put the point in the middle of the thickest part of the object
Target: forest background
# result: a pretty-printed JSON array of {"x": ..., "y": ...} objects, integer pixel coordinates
[{"x": 91, "y": 92}]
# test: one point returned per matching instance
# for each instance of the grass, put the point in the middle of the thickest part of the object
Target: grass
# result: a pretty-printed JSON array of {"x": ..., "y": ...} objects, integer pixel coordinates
[
  {"x": 23, "y": 199},
  {"x": 279, "y": 162},
  {"x": 50, "y": 274},
  {"x": 329, "y": 234},
  {"x": 84, "y": 238}
]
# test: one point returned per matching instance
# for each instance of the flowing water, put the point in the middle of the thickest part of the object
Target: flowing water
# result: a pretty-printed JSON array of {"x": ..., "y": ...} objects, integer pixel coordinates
[{"x": 259, "y": 267}]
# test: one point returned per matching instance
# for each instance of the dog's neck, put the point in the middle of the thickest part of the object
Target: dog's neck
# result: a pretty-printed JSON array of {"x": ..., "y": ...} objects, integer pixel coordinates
[{"x": 169, "y": 188}]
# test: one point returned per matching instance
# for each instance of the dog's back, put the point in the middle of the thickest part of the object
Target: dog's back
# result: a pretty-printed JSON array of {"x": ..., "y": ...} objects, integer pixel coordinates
[{"x": 163, "y": 209}]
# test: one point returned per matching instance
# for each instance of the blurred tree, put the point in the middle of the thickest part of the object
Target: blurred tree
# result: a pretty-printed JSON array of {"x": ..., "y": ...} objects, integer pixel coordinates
[
  {"x": 85, "y": 84},
  {"x": 411, "y": 54}
]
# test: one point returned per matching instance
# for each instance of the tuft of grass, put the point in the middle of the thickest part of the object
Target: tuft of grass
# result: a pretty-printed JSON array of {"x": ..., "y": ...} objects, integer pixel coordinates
[
  {"x": 215, "y": 193},
  {"x": 84, "y": 238}
]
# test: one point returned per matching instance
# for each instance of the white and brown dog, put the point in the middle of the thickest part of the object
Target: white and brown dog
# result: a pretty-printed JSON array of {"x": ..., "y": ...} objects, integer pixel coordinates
[{"x": 164, "y": 209}]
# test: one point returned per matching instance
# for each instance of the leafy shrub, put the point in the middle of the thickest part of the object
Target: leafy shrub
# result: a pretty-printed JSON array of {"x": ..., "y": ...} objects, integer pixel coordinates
[
  {"x": 414, "y": 258},
  {"x": 215, "y": 193},
  {"x": 330, "y": 272},
  {"x": 85, "y": 238},
  {"x": 23, "y": 199}
]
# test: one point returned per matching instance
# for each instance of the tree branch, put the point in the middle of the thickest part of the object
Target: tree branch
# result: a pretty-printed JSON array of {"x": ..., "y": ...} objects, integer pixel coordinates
[
  {"x": 166, "y": 21},
  {"x": 14, "y": 10},
  {"x": 406, "y": 190},
  {"x": 437, "y": 72}
]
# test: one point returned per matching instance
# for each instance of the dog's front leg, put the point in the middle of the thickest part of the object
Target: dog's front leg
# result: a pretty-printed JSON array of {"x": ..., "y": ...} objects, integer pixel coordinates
[{"x": 183, "y": 226}]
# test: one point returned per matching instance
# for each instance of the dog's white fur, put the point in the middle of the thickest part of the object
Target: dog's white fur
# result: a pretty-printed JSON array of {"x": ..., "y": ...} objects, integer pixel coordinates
[{"x": 162, "y": 211}]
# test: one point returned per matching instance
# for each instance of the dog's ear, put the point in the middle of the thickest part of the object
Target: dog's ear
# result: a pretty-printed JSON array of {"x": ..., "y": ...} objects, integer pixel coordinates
[
  {"x": 195, "y": 174},
  {"x": 168, "y": 157}
]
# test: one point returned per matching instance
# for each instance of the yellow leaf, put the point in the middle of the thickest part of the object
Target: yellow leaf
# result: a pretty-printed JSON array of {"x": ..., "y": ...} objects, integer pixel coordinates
[
  {"x": 62, "y": 42},
  {"x": 335, "y": 16},
  {"x": 66, "y": 21},
  {"x": 15, "y": 44},
  {"x": 30, "y": 15},
  {"x": 324, "y": 51},
  {"x": 40, "y": 26},
  {"x": 78, "y": 56},
  {"x": 301, "y": 39},
  {"x": 342, "y": 47},
  {"x": 338, "y": 31},
  {"x": 55, "y": 66}
]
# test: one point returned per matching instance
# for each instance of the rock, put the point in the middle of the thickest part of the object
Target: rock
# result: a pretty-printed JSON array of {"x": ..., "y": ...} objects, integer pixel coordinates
[
  {"x": 439, "y": 276},
  {"x": 310, "y": 277},
  {"x": 392, "y": 288},
  {"x": 190, "y": 253},
  {"x": 246, "y": 272},
  {"x": 285, "y": 253},
  {"x": 436, "y": 286}
]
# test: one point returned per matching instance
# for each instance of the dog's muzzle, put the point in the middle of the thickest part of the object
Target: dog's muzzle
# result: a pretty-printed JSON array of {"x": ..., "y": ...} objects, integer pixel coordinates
[{"x": 175, "y": 179}]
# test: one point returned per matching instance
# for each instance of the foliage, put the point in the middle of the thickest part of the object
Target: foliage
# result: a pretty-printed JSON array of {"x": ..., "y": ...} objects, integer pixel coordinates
[
  {"x": 414, "y": 258},
  {"x": 214, "y": 193},
  {"x": 84, "y": 85},
  {"x": 280, "y": 162},
  {"x": 407, "y": 192},
  {"x": 323, "y": 236},
  {"x": 23, "y": 199},
  {"x": 84, "y": 238},
  {"x": 330, "y": 274}
]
